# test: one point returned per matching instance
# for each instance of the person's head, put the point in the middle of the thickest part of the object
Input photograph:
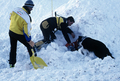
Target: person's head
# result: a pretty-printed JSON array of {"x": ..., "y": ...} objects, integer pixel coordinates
[
  {"x": 29, "y": 4},
  {"x": 70, "y": 20}
]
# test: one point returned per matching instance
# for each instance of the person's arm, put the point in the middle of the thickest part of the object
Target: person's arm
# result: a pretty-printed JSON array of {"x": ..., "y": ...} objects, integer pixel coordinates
[
  {"x": 70, "y": 32},
  {"x": 27, "y": 34},
  {"x": 64, "y": 31}
]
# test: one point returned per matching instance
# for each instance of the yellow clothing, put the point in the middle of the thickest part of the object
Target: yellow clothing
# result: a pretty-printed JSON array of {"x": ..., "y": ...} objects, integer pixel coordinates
[
  {"x": 59, "y": 20},
  {"x": 20, "y": 23}
]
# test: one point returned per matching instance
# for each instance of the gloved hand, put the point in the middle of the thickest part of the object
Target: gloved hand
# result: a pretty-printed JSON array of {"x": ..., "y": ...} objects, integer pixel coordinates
[
  {"x": 31, "y": 43},
  {"x": 70, "y": 46}
]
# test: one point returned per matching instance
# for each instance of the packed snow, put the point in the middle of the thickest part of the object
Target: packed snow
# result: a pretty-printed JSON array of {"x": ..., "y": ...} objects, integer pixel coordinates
[{"x": 98, "y": 19}]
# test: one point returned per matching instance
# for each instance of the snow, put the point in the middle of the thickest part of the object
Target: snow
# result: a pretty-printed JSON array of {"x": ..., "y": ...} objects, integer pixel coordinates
[{"x": 98, "y": 19}]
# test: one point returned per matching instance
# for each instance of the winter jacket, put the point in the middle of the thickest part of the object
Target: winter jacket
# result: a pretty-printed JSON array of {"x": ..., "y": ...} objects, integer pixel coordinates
[
  {"x": 61, "y": 24},
  {"x": 20, "y": 23}
]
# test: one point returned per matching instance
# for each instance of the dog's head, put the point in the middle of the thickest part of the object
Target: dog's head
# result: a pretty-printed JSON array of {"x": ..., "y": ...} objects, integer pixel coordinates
[{"x": 80, "y": 39}]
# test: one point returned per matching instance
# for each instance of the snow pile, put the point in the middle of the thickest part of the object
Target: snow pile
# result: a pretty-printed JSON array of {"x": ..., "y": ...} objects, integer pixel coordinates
[{"x": 97, "y": 19}]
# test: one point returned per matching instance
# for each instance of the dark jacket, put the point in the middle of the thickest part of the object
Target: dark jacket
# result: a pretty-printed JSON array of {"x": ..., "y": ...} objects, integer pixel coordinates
[{"x": 60, "y": 23}]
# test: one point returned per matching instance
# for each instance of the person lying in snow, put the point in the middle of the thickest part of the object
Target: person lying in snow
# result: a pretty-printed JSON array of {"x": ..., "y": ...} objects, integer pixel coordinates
[{"x": 92, "y": 45}]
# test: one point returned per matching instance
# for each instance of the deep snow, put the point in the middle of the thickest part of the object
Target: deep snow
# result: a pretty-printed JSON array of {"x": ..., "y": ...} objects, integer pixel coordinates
[{"x": 98, "y": 19}]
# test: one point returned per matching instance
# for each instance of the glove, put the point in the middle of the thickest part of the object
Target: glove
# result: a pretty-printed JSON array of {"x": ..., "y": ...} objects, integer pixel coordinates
[
  {"x": 31, "y": 43},
  {"x": 70, "y": 46}
]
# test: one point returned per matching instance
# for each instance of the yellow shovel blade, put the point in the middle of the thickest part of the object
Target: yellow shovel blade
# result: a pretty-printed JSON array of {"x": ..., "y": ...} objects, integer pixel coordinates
[
  {"x": 37, "y": 62},
  {"x": 40, "y": 61}
]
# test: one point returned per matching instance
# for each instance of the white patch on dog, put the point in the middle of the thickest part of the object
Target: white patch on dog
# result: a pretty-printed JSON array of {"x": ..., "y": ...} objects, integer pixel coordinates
[
  {"x": 80, "y": 43},
  {"x": 87, "y": 53}
]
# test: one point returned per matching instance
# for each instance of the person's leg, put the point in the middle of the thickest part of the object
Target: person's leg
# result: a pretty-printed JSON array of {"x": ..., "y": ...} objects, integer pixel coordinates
[
  {"x": 25, "y": 43},
  {"x": 12, "y": 58},
  {"x": 46, "y": 31},
  {"x": 53, "y": 36}
]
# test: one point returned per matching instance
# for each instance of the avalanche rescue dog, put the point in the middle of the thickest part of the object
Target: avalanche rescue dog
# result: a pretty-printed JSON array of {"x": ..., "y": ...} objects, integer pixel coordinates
[{"x": 92, "y": 45}]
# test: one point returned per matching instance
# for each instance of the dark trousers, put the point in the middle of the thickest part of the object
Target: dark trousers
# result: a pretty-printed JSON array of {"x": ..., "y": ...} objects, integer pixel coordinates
[
  {"x": 13, "y": 41},
  {"x": 47, "y": 33}
]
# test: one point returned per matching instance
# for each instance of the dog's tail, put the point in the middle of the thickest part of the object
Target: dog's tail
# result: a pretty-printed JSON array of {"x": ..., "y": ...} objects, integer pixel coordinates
[{"x": 111, "y": 55}]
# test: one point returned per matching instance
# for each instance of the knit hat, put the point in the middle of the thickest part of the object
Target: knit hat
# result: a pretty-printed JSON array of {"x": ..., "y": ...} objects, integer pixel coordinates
[{"x": 29, "y": 3}]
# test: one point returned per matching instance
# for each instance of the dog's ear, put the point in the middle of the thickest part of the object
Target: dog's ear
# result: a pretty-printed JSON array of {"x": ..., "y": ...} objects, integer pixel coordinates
[{"x": 79, "y": 38}]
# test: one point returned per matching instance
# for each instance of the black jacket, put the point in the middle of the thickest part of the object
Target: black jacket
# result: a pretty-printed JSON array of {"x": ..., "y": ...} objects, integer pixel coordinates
[{"x": 63, "y": 27}]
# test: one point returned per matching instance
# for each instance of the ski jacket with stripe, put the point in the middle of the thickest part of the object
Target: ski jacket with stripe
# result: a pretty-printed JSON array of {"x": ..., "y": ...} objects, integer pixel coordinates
[{"x": 20, "y": 22}]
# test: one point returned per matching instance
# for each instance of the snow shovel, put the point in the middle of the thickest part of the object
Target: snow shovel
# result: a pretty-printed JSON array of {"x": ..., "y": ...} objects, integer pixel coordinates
[{"x": 37, "y": 62}]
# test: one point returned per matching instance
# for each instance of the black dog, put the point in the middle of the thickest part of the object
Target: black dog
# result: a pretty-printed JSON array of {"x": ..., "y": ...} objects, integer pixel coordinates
[{"x": 92, "y": 45}]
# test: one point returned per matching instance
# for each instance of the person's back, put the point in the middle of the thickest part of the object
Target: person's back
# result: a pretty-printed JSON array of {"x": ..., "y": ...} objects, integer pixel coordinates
[
  {"x": 51, "y": 21},
  {"x": 19, "y": 21}
]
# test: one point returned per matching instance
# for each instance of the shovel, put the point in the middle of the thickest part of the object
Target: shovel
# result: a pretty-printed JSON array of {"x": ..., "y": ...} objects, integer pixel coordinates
[{"x": 37, "y": 62}]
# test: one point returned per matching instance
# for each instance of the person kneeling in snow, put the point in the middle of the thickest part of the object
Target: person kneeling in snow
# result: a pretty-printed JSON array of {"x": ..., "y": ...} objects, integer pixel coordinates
[{"x": 48, "y": 25}]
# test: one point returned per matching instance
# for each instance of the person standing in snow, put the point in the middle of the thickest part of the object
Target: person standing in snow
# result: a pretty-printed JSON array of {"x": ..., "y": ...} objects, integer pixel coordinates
[
  {"x": 19, "y": 30},
  {"x": 60, "y": 23}
]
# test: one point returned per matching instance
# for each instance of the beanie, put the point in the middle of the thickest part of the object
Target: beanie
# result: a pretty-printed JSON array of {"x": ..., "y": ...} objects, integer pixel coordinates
[{"x": 29, "y": 3}]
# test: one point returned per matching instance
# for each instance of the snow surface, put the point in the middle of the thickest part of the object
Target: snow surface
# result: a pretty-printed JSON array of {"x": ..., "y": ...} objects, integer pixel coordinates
[{"x": 98, "y": 19}]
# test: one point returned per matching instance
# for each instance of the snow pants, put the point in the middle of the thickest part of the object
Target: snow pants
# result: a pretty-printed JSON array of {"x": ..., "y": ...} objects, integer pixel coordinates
[
  {"x": 47, "y": 32},
  {"x": 13, "y": 41}
]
